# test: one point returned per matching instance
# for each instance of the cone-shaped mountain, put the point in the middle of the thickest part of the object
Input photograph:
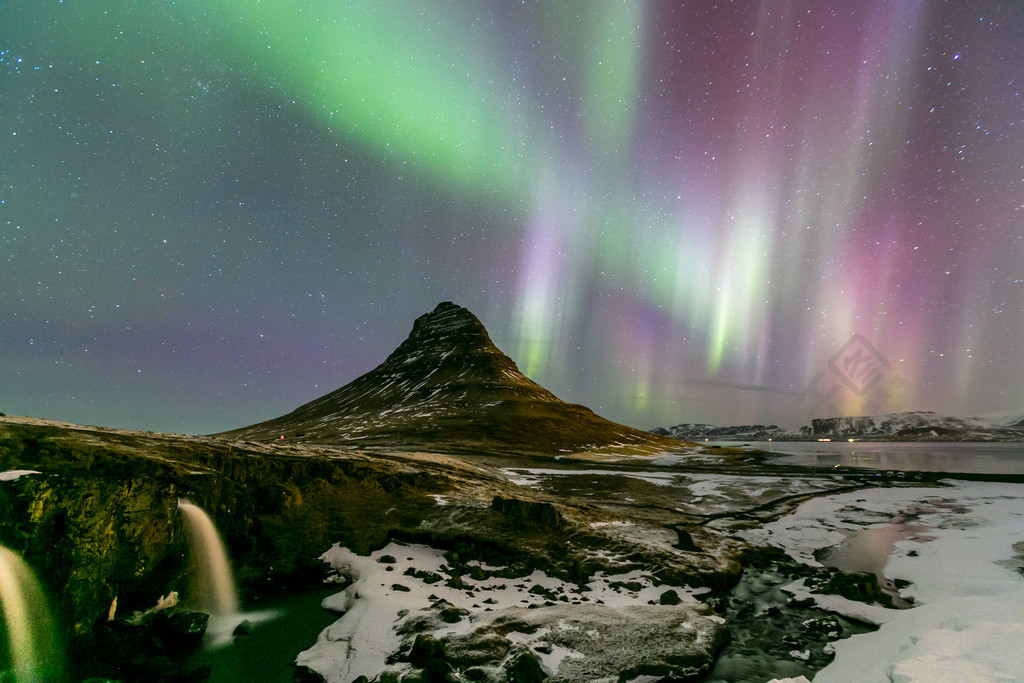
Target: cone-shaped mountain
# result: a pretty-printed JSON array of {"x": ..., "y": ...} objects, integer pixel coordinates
[{"x": 447, "y": 385}]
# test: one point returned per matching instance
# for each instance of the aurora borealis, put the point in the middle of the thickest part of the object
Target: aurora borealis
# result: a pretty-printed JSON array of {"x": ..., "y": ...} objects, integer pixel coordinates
[{"x": 212, "y": 212}]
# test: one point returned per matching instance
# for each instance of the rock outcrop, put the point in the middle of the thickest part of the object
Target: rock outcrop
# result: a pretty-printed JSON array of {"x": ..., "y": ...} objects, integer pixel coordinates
[{"x": 581, "y": 643}]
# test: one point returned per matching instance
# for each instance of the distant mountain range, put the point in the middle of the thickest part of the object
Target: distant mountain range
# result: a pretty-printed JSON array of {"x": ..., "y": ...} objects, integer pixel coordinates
[
  {"x": 448, "y": 385},
  {"x": 909, "y": 426}
]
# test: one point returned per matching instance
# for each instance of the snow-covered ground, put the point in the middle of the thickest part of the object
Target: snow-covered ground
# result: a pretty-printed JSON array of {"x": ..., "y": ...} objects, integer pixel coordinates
[
  {"x": 383, "y": 596},
  {"x": 965, "y": 574},
  {"x": 960, "y": 546}
]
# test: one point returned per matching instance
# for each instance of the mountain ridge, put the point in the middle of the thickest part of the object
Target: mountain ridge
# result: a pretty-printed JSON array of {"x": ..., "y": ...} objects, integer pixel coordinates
[{"x": 905, "y": 426}]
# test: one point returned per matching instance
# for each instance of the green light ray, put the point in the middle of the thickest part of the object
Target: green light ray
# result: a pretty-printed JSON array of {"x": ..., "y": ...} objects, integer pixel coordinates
[
  {"x": 613, "y": 59},
  {"x": 409, "y": 78}
]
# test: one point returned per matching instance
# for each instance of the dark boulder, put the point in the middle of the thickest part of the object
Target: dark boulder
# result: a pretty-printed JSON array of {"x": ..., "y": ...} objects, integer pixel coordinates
[
  {"x": 669, "y": 597},
  {"x": 428, "y": 653},
  {"x": 522, "y": 667}
]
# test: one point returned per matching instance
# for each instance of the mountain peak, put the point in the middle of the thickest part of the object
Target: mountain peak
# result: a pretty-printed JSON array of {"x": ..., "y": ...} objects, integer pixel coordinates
[
  {"x": 447, "y": 385},
  {"x": 447, "y": 317},
  {"x": 447, "y": 309},
  {"x": 447, "y": 327},
  {"x": 447, "y": 345}
]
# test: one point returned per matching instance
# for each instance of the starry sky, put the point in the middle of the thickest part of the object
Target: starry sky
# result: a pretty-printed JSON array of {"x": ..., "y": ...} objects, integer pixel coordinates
[{"x": 676, "y": 211}]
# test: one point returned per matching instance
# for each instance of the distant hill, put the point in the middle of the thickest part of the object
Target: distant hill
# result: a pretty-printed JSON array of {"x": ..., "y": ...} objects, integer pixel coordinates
[
  {"x": 706, "y": 432},
  {"x": 447, "y": 384},
  {"x": 908, "y": 426}
]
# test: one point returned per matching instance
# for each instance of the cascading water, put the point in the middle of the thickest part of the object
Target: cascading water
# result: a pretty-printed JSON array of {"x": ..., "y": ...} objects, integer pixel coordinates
[
  {"x": 32, "y": 650},
  {"x": 211, "y": 586}
]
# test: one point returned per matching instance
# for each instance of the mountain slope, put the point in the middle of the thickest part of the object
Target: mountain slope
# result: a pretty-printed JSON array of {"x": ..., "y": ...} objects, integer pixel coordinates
[{"x": 448, "y": 385}]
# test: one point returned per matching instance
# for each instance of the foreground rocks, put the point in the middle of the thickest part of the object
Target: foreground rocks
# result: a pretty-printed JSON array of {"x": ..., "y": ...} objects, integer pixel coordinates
[
  {"x": 411, "y": 612},
  {"x": 772, "y": 633},
  {"x": 575, "y": 644}
]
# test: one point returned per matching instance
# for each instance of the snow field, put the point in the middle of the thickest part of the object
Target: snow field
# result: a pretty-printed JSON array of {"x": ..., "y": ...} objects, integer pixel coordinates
[{"x": 968, "y": 622}]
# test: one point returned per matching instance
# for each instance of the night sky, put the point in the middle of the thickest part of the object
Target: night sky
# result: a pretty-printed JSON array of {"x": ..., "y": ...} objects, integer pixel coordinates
[{"x": 729, "y": 212}]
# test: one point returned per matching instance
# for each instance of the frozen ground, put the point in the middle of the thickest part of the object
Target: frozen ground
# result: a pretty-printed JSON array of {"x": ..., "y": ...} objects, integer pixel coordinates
[
  {"x": 965, "y": 574},
  {"x": 385, "y": 594},
  {"x": 695, "y": 493}
]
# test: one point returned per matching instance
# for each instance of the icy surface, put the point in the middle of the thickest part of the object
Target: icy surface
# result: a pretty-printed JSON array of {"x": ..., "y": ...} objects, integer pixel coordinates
[
  {"x": 967, "y": 625},
  {"x": 11, "y": 475}
]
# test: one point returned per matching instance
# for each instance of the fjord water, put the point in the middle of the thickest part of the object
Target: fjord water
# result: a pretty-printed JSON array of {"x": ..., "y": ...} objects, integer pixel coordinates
[
  {"x": 31, "y": 650},
  {"x": 211, "y": 585},
  {"x": 953, "y": 457}
]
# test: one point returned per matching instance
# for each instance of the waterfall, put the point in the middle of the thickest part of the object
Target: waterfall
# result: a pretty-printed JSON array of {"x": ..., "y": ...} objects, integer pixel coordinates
[
  {"x": 211, "y": 586},
  {"x": 32, "y": 652}
]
